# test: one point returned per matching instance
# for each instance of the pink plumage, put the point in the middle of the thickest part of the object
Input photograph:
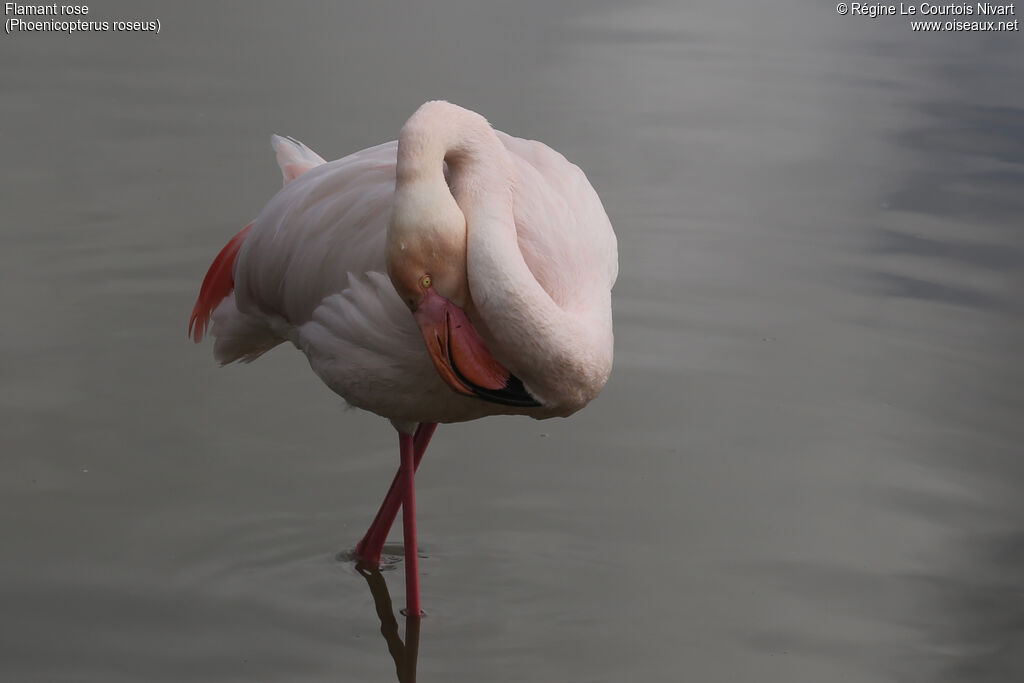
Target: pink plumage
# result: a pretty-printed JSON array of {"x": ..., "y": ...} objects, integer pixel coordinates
[
  {"x": 217, "y": 285},
  {"x": 455, "y": 273}
]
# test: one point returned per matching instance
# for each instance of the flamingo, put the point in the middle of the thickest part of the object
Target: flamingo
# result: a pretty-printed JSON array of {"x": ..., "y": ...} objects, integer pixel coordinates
[{"x": 455, "y": 273}]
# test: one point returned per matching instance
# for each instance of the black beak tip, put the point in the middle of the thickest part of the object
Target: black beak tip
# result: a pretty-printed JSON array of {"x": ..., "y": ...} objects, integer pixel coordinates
[{"x": 512, "y": 394}]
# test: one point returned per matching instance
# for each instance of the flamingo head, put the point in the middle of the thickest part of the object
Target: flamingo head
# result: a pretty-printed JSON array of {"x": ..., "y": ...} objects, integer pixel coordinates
[{"x": 426, "y": 260}]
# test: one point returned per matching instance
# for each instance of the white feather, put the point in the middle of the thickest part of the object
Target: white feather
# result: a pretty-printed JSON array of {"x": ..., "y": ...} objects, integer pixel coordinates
[{"x": 312, "y": 271}]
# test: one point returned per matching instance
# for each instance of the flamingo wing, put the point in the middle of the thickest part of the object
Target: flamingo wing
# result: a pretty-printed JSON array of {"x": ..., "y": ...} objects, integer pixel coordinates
[
  {"x": 312, "y": 271},
  {"x": 564, "y": 233},
  {"x": 293, "y": 157}
]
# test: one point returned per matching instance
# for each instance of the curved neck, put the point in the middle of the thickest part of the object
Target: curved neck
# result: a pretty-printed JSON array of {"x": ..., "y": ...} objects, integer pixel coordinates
[
  {"x": 440, "y": 132},
  {"x": 551, "y": 350}
]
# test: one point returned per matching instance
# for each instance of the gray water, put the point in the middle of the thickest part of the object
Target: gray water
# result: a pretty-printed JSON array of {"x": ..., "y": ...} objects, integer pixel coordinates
[{"x": 807, "y": 465}]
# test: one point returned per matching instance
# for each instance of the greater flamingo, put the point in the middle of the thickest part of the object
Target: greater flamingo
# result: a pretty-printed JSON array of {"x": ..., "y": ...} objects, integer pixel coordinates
[{"x": 498, "y": 247}]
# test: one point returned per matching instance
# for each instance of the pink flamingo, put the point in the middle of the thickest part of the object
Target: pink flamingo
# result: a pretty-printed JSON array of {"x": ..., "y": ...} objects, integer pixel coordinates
[{"x": 499, "y": 248}]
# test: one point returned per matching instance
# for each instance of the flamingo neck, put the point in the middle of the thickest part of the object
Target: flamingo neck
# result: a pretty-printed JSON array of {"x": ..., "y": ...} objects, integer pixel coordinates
[{"x": 552, "y": 350}]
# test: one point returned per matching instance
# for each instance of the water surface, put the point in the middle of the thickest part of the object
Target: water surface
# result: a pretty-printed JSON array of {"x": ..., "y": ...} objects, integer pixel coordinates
[{"x": 807, "y": 464}]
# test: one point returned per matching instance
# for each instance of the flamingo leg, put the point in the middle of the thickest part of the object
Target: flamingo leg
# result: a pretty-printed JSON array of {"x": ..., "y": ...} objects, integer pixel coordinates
[
  {"x": 412, "y": 560},
  {"x": 369, "y": 549}
]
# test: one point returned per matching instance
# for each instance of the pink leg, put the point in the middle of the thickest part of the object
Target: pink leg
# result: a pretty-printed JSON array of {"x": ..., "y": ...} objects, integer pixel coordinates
[
  {"x": 412, "y": 560},
  {"x": 370, "y": 548}
]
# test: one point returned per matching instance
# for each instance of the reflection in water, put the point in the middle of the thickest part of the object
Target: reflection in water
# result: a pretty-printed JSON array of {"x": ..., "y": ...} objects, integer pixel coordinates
[{"x": 405, "y": 653}]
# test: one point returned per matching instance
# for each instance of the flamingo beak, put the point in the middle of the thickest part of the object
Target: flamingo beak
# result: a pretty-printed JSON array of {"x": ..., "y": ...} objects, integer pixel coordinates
[{"x": 462, "y": 358}]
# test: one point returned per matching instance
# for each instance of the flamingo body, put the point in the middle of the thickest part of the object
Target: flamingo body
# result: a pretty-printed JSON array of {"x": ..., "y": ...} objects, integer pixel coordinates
[{"x": 521, "y": 261}]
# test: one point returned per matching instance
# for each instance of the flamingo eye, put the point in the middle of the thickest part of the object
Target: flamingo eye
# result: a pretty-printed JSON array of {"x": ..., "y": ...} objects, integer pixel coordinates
[{"x": 425, "y": 282}]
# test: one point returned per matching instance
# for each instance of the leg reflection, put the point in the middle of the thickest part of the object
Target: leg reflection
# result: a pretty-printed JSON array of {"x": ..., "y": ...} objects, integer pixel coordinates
[{"x": 405, "y": 653}]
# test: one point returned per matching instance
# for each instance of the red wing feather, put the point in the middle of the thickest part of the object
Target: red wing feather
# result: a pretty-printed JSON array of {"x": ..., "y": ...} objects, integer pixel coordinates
[{"x": 218, "y": 283}]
